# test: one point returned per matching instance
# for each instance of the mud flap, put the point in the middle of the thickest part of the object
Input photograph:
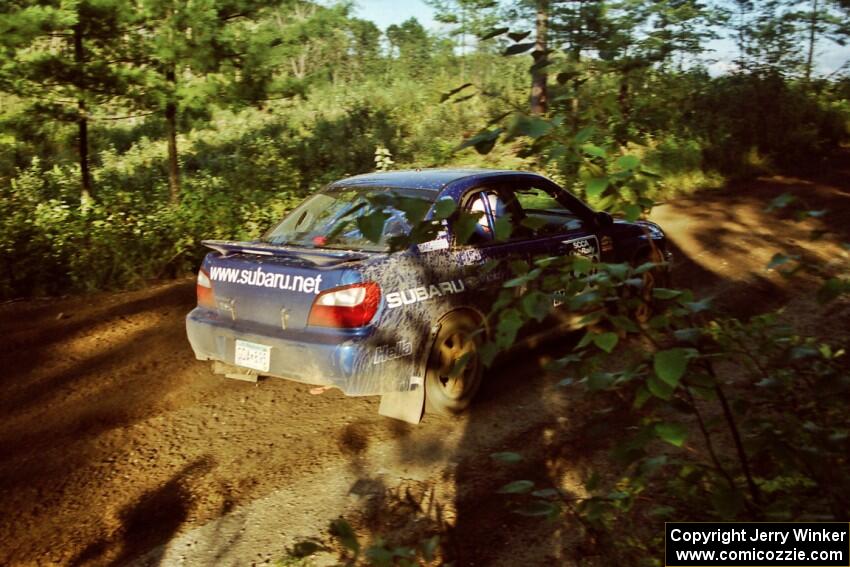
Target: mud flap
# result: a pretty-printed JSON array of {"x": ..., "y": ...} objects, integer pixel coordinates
[
  {"x": 406, "y": 406},
  {"x": 409, "y": 405}
]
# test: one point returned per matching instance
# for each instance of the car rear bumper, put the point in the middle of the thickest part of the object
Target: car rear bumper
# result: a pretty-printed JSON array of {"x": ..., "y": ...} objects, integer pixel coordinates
[{"x": 350, "y": 365}]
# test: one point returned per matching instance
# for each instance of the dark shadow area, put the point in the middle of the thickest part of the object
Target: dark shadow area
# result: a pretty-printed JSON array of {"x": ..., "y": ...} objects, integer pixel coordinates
[
  {"x": 61, "y": 415},
  {"x": 148, "y": 522},
  {"x": 36, "y": 326}
]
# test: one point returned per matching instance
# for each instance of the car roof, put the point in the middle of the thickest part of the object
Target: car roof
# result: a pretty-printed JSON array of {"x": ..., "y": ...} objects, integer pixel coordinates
[{"x": 423, "y": 179}]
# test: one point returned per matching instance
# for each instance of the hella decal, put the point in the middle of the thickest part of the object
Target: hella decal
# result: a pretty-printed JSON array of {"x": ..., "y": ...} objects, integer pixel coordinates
[
  {"x": 424, "y": 293},
  {"x": 385, "y": 353}
]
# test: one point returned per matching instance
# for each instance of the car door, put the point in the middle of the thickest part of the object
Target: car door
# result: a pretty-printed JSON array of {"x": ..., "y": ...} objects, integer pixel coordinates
[{"x": 525, "y": 220}]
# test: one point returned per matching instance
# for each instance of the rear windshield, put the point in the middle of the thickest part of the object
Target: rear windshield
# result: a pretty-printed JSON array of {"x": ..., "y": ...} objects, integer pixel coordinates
[{"x": 316, "y": 222}]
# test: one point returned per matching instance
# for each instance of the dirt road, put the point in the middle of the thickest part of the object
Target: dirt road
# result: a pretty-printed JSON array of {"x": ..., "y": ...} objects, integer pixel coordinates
[{"x": 117, "y": 446}]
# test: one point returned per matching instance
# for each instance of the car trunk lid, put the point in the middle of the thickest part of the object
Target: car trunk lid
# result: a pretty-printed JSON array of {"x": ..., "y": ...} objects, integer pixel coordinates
[{"x": 273, "y": 287}]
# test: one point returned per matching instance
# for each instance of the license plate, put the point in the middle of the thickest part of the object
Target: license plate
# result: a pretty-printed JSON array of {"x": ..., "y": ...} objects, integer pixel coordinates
[{"x": 252, "y": 355}]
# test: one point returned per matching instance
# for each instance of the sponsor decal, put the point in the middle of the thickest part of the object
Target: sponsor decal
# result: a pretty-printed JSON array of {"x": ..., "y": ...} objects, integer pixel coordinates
[
  {"x": 469, "y": 256},
  {"x": 384, "y": 353},
  {"x": 424, "y": 293},
  {"x": 587, "y": 247},
  {"x": 436, "y": 244},
  {"x": 607, "y": 243},
  {"x": 258, "y": 278}
]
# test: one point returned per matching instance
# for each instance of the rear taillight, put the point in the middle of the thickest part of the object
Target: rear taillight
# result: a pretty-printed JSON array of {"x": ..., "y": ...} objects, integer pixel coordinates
[
  {"x": 346, "y": 307},
  {"x": 206, "y": 297}
]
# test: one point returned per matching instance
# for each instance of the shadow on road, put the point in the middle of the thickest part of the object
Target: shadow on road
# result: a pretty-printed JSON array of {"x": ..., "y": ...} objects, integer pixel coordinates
[{"x": 149, "y": 521}]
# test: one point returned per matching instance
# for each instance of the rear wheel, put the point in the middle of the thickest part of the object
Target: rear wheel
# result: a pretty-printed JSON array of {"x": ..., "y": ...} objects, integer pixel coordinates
[{"x": 454, "y": 365}]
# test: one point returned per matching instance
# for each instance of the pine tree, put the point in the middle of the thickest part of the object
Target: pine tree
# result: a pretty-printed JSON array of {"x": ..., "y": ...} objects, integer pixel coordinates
[
  {"x": 191, "y": 51},
  {"x": 67, "y": 59}
]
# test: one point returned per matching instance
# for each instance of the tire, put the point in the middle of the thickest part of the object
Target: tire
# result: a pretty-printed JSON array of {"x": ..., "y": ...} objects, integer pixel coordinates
[{"x": 448, "y": 392}]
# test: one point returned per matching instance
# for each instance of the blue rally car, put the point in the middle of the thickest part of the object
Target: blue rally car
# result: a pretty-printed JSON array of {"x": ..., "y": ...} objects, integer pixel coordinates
[{"x": 347, "y": 312}]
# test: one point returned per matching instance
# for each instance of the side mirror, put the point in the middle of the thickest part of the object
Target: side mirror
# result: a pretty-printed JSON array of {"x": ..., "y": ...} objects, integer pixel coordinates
[{"x": 604, "y": 219}]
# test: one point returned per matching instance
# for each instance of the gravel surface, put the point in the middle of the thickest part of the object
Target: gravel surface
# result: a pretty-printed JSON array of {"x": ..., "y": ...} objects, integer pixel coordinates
[{"x": 118, "y": 447}]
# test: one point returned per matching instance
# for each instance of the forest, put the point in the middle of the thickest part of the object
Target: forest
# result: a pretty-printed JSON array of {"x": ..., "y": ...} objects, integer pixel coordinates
[{"x": 131, "y": 130}]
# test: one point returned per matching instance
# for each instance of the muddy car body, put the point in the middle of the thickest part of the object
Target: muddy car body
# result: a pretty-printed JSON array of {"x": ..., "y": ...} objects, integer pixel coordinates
[{"x": 354, "y": 316}]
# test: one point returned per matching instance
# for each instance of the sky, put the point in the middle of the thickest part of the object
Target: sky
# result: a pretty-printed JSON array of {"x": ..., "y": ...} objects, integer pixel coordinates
[{"x": 387, "y": 12}]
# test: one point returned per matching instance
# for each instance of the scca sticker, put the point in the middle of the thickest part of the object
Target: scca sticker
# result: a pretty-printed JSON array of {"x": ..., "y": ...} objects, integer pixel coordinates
[
  {"x": 587, "y": 246},
  {"x": 424, "y": 293}
]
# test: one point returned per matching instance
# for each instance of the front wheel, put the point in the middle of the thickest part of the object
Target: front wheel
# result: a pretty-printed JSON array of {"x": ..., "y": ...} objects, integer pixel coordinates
[{"x": 454, "y": 365}]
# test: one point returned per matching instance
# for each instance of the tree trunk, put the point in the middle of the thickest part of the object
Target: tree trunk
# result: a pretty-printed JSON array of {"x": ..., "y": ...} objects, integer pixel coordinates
[
  {"x": 171, "y": 128},
  {"x": 539, "y": 95},
  {"x": 86, "y": 193},
  {"x": 623, "y": 98},
  {"x": 813, "y": 24}
]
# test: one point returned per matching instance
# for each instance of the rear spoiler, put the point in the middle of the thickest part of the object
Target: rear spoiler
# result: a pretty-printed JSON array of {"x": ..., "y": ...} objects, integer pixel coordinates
[{"x": 317, "y": 256}]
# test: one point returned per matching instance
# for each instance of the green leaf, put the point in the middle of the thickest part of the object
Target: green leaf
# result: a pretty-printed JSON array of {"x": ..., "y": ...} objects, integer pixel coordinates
[
  {"x": 632, "y": 212},
  {"x": 832, "y": 289},
  {"x": 670, "y": 365},
  {"x": 372, "y": 225},
  {"x": 592, "y": 150},
  {"x": 596, "y": 186},
  {"x": 503, "y": 228},
  {"x": 659, "y": 388},
  {"x": 665, "y": 293},
  {"x": 510, "y": 322},
  {"x": 448, "y": 95},
  {"x": 493, "y": 33},
  {"x": 599, "y": 381},
  {"x": 483, "y": 141},
  {"x": 506, "y": 457},
  {"x": 534, "y": 223},
  {"x": 641, "y": 397},
  {"x": 429, "y": 548},
  {"x": 518, "y": 48},
  {"x": 539, "y": 64},
  {"x": 653, "y": 464},
  {"x": 688, "y": 335},
  {"x": 519, "y": 36},
  {"x": 536, "y": 305},
  {"x": 583, "y": 136},
  {"x": 627, "y": 162},
  {"x": 464, "y": 225},
  {"x": 780, "y": 202},
  {"x": 673, "y": 433},
  {"x": 698, "y": 306},
  {"x": 444, "y": 208},
  {"x": 531, "y": 126},
  {"x": 606, "y": 341},
  {"x": 342, "y": 531},
  {"x": 516, "y": 487},
  {"x": 414, "y": 209},
  {"x": 545, "y": 493},
  {"x": 538, "y": 508},
  {"x": 777, "y": 260}
]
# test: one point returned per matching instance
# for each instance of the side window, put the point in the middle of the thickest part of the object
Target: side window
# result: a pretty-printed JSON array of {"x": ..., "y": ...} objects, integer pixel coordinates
[
  {"x": 485, "y": 203},
  {"x": 544, "y": 214}
]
